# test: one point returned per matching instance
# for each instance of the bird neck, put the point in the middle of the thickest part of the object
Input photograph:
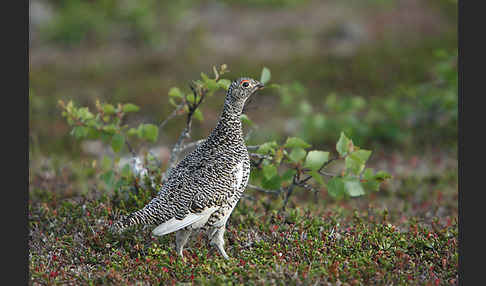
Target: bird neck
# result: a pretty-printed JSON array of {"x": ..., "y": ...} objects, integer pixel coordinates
[
  {"x": 229, "y": 127},
  {"x": 233, "y": 106}
]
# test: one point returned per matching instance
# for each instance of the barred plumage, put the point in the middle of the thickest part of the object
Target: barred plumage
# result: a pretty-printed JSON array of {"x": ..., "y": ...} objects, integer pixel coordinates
[{"x": 204, "y": 187}]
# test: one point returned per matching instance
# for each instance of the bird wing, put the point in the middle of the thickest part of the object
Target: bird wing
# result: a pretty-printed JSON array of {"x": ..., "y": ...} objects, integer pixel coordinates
[{"x": 174, "y": 224}]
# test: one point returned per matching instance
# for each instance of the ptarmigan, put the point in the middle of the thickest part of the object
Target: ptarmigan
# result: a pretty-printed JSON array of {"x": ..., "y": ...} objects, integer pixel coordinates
[{"x": 204, "y": 187}]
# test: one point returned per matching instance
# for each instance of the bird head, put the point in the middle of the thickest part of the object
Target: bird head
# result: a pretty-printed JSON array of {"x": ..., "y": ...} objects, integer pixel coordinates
[{"x": 240, "y": 90}]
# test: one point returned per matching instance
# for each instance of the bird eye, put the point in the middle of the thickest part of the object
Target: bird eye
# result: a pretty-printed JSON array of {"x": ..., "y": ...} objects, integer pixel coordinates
[{"x": 245, "y": 83}]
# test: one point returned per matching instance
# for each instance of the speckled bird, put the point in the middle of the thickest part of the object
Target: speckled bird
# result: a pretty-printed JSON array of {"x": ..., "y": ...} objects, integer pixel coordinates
[{"x": 203, "y": 188}]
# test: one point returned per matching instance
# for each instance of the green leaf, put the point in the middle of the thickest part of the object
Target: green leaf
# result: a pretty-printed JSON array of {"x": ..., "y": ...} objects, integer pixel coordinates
[
  {"x": 336, "y": 188},
  {"x": 172, "y": 102},
  {"x": 119, "y": 183},
  {"x": 317, "y": 177},
  {"x": 273, "y": 183},
  {"x": 79, "y": 132},
  {"x": 108, "y": 109},
  {"x": 148, "y": 132},
  {"x": 278, "y": 156},
  {"x": 244, "y": 118},
  {"x": 266, "y": 75},
  {"x": 116, "y": 121},
  {"x": 369, "y": 174},
  {"x": 211, "y": 85},
  {"x": 256, "y": 174},
  {"x": 371, "y": 185},
  {"x": 198, "y": 114},
  {"x": 269, "y": 171},
  {"x": 94, "y": 123},
  {"x": 129, "y": 107},
  {"x": 382, "y": 176},
  {"x": 106, "y": 163},
  {"x": 175, "y": 92},
  {"x": 204, "y": 77},
  {"x": 190, "y": 98},
  {"x": 289, "y": 174},
  {"x": 108, "y": 177},
  {"x": 369, "y": 180},
  {"x": 355, "y": 162},
  {"x": 353, "y": 187},
  {"x": 70, "y": 106},
  {"x": 133, "y": 132},
  {"x": 315, "y": 159},
  {"x": 297, "y": 154},
  {"x": 117, "y": 142},
  {"x": 294, "y": 142},
  {"x": 224, "y": 83},
  {"x": 93, "y": 134},
  {"x": 85, "y": 114},
  {"x": 267, "y": 147},
  {"x": 305, "y": 108},
  {"x": 110, "y": 129},
  {"x": 344, "y": 145},
  {"x": 362, "y": 155}
]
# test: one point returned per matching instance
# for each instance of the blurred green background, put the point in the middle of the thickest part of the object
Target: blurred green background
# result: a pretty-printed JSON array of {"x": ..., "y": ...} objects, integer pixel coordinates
[{"x": 383, "y": 71}]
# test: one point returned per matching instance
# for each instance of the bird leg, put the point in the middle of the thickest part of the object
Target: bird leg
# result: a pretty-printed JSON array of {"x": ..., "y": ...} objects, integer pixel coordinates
[
  {"x": 182, "y": 236},
  {"x": 217, "y": 240}
]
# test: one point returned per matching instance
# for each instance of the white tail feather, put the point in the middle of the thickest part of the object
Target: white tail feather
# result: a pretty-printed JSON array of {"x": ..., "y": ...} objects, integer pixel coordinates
[{"x": 174, "y": 224}]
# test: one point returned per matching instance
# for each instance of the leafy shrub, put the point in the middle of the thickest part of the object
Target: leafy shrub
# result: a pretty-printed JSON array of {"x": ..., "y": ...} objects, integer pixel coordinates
[{"x": 277, "y": 168}]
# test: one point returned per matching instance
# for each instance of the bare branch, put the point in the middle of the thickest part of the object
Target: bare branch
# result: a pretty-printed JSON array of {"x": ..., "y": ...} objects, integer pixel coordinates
[
  {"x": 260, "y": 156},
  {"x": 306, "y": 186},
  {"x": 253, "y": 148},
  {"x": 255, "y": 163},
  {"x": 290, "y": 189},
  {"x": 191, "y": 144},
  {"x": 248, "y": 197},
  {"x": 130, "y": 149},
  {"x": 256, "y": 188},
  {"x": 172, "y": 115}
]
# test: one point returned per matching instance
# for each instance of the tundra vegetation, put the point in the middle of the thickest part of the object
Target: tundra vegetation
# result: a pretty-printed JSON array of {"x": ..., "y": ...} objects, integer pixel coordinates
[{"x": 354, "y": 164}]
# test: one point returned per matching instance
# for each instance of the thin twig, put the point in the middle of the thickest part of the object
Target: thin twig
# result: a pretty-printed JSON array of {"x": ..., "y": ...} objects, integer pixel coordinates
[
  {"x": 172, "y": 115},
  {"x": 252, "y": 148},
  {"x": 130, "y": 149},
  {"x": 320, "y": 171},
  {"x": 260, "y": 156},
  {"x": 290, "y": 189},
  {"x": 256, "y": 188},
  {"x": 191, "y": 144},
  {"x": 257, "y": 164},
  {"x": 248, "y": 197}
]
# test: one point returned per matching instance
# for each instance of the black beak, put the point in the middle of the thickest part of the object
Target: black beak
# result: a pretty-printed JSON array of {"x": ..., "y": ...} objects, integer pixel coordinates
[{"x": 259, "y": 86}]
